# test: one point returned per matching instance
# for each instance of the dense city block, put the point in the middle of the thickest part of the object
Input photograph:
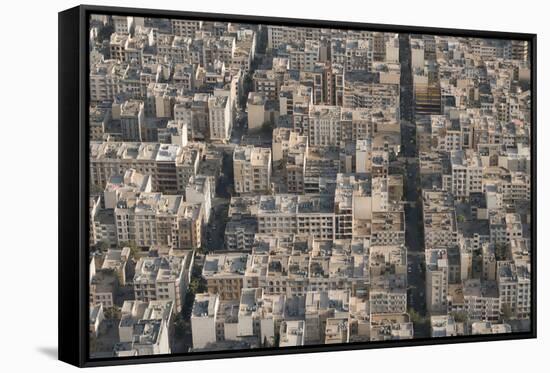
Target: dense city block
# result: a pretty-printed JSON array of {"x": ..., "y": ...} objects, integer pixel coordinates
[{"x": 258, "y": 186}]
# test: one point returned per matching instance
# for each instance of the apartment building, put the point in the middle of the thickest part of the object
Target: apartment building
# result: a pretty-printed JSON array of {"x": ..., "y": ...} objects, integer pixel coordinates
[
  {"x": 161, "y": 279},
  {"x": 389, "y": 327},
  {"x": 148, "y": 219},
  {"x": 186, "y": 28},
  {"x": 324, "y": 125},
  {"x": 199, "y": 190},
  {"x": 437, "y": 280},
  {"x": 252, "y": 169},
  {"x": 490, "y": 328},
  {"x": 132, "y": 119},
  {"x": 124, "y": 47},
  {"x": 203, "y": 319},
  {"x": 268, "y": 82},
  {"x": 224, "y": 274},
  {"x": 292, "y": 333},
  {"x": 150, "y": 338},
  {"x": 104, "y": 80},
  {"x": 170, "y": 166},
  {"x": 103, "y": 286},
  {"x": 220, "y": 118},
  {"x": 479, "y": 300},
  {"x": 388, "y": 290},
  {"x": 145, "y": 327},
  {"x": 240, "y": 233},
  {"x": 467, "y": 173},
  {"x": 372, "y": 96},
  {"x": 194, "y": 110},
  {"x": 444, "y": 326},
  {"x": 190, "y": 226},
  {"x": 514, "y": 286},
  {"x": 117, "y": 260},
  {"x": 388, "y": 228},
  {"x": 291, "y": 149}
]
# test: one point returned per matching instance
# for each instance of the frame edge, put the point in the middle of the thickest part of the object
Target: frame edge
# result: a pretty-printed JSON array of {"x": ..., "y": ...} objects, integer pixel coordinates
[{"x": 70, "y": 127}]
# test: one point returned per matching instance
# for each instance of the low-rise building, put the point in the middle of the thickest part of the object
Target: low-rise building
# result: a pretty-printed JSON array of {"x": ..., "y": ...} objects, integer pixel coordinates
[
  {"x": 103, "y": 285},
  {"x": 204, "y": 320},
  {"x": 292, "y": 333},
  {"x": 117, "y": 260},
  {"x": 135, "y": 313},
  {"x": 388, "y": 228},
  {"x": 199, "y": 190},
  {"x": 148, "y": 219},
  {"x": 443, "y": 326},
  {"x": 391, "y": 327},
  {"x": 224, "y": 274},
  {"x": 162, "y": 278},
  {"x": 96, "y": 319},
  {"x": 488, "y": 328}
]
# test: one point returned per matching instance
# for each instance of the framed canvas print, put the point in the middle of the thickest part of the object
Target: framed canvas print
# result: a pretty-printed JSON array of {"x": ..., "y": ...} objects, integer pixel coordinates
[{"x": 234, "y": 186}]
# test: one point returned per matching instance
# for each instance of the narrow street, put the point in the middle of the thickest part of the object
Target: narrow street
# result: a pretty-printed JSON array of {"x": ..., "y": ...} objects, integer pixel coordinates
[
  {"x": 414, "y": 235},
  {"x": 215, "y": 229}
]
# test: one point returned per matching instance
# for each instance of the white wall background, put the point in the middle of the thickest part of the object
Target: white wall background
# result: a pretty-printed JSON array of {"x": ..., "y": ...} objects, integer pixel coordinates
[{"x": 28, "y": 212}]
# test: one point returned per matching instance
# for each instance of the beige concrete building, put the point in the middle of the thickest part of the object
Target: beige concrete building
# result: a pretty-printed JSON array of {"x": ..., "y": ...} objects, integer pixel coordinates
[
  {"x": 388, "y": 279},
  {"x": 252, "y": 169},
  {"x": 444, "y": 326},
  {"x": 224, "y": 274},
  {"x": 190, "y": 226},
  {"x": 162, "y": 278},
  {"x": 186, "y": 28},
  {"x": 324, "y": 125},
  {"x": 488, "y": 328},
  {"x": 386, "y": 327},
  {"x": 479, "y": 300},
  {"x": 148, "y": 219},
  {"x": 117, "y": 260},
  {"x": 437, "y": 280},
  {"x": 200, "y": 190},
  {"x": 467, "y": 173},
  {"x": 292, "y": 333},
  {"x": 170, "y": 166},
  {"x": 220, "y": 118},
  {"x": 103, "y": 286},
  {"x": 372, "y": 96},
  {"x": 203, "y": 319},
  {"x": 261, "y": 111},
  {"x": 514, "y": 287},
  {"x": 388, "y": 228},
  {"x": 145, "y": 327}
]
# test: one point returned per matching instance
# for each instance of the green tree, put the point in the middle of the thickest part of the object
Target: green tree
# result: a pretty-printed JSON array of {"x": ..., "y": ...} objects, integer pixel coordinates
[
  {"x": 415, "y": 317},
  {"x": 103, "y": 246},
  {"x": 460, "y": 316},
  {"x": 95, "y": 189},
  {"x": 134, "y": 249},
  {"x": 112, "y": 313}
]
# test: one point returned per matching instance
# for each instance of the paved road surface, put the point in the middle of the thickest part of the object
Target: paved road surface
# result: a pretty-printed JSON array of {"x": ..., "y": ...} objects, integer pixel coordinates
[{"x": 414, "y": 235}]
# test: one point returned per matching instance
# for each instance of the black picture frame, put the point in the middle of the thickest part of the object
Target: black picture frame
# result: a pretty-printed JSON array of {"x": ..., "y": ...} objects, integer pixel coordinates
[{"x": 73, "y": 184}]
